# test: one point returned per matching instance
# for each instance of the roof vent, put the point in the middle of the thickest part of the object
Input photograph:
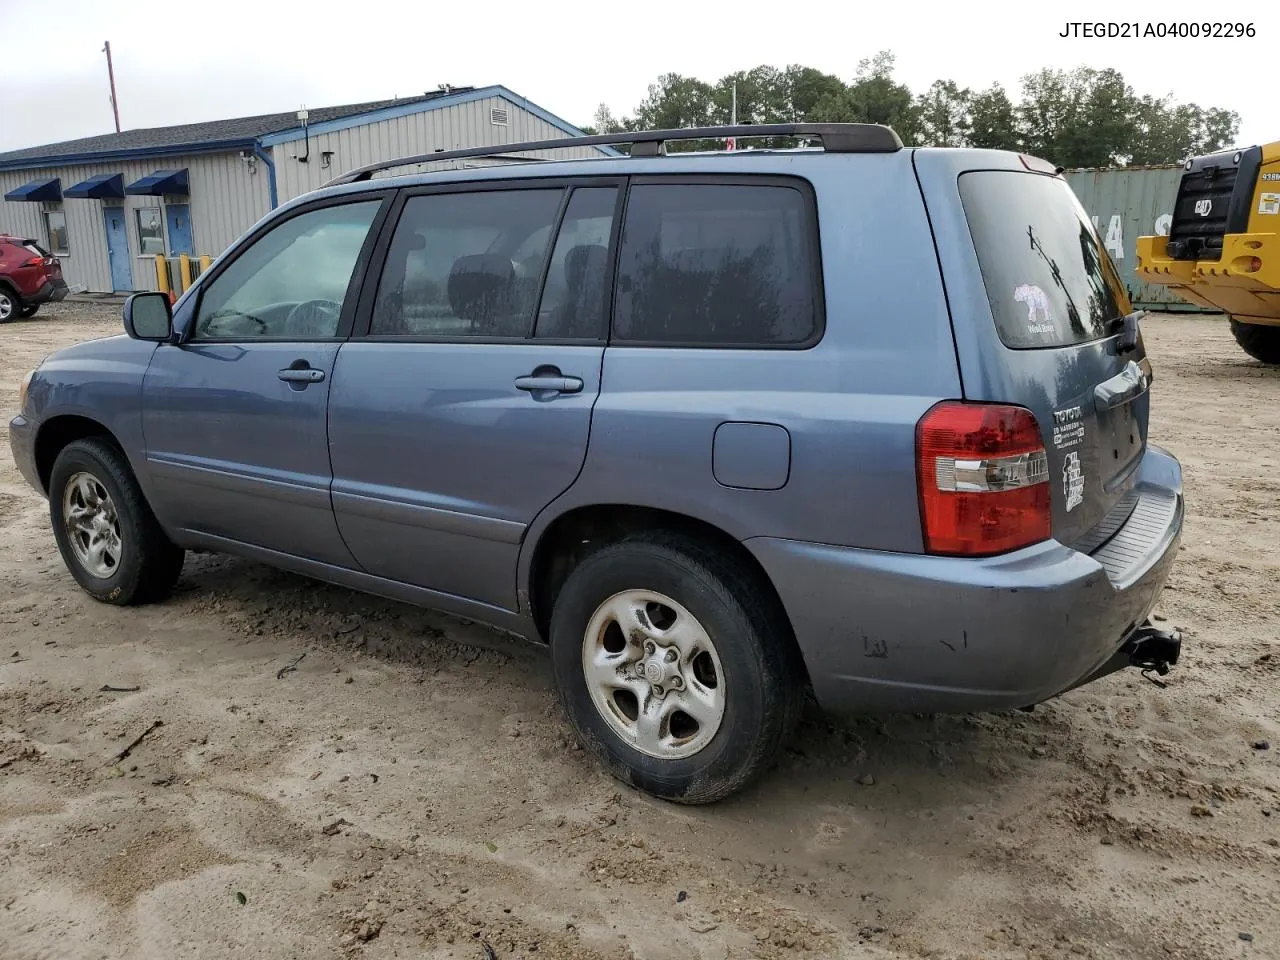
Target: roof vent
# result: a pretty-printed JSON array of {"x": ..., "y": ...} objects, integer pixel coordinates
[{"x": 498, "y": 116}]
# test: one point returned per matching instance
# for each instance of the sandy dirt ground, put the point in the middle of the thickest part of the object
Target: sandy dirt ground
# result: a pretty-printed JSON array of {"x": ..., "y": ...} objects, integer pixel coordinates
[{"x": 411, "y": 789}]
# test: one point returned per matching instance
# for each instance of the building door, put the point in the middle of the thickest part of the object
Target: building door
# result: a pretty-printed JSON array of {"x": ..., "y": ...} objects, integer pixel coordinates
[
  {"x": 178, "y": 217},
  {"x": 118, "y": 249}
]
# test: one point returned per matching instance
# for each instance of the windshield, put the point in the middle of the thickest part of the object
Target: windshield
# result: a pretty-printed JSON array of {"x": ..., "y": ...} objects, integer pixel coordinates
[{"x": 1048, "y": 279}]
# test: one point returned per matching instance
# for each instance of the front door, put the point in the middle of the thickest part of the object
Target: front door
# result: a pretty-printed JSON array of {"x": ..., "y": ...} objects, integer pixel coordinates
[
  {"x": 178, "y": 219},
  {"x": 118, "y": 249},
  {"x": 234, "y": 417},
  {"x": 457, "y": 418}
]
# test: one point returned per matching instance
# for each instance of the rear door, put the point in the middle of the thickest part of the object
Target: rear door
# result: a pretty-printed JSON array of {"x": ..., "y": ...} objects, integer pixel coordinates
[
  {"x": 464, "y": 406},
  {"x": 1037, "y": 311}
]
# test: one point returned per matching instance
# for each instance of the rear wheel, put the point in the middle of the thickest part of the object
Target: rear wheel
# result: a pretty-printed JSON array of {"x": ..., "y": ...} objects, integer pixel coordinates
[
  {"x": 1258, "y": 340},
  {"x": 109, "y": 538},
  {"x": 10, "y": 305},
  {"x": 30, "y": 311},
  {"x": 674, "y": 670}
]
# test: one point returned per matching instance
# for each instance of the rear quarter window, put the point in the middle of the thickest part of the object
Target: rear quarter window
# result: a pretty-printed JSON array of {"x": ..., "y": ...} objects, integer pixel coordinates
[
  {"x": 1048, "y": 279},
  {"x": 718, "y": 264}
]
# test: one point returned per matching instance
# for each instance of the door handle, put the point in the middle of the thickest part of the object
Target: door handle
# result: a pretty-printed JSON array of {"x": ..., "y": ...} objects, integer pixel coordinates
[
  {"x": 304, "y": 375},
  {"x": 1120, "y": 389},
  {"x": 551, "y": 384}
]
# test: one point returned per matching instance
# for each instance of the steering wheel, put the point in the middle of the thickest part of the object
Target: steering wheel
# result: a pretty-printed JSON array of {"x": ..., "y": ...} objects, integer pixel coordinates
[
  {"x": 313, "y": 318},
  {"x": 231, "y": 325}
]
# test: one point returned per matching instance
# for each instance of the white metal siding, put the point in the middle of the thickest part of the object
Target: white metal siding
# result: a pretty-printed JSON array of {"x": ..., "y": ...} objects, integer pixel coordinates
[
  {"x": 225, "y": 201},
  {"x": 447, "y": 128},
  {"x": 229, "y": 195}
]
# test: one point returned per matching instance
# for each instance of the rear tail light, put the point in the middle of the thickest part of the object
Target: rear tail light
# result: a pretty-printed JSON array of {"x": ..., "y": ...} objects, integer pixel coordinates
[
  {"x": 984, "y": 479},
  {"x": 34, "y": 262}
]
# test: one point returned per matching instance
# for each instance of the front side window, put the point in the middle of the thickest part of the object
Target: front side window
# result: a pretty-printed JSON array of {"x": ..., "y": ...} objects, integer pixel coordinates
[
  {"x": 466, "y": 265},
  {"x": 717, "y": 265},
  {"x": 150, "y": 222},
  {"x": 292, "y": 282},
  {"x": 55, "y": 223}
]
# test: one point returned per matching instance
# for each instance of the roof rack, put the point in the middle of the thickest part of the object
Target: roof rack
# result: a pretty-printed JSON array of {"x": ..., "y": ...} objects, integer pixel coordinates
[{"x": 835, "y": 138}]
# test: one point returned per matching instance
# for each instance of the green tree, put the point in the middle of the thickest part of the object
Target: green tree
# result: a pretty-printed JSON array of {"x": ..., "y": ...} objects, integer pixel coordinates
[
  {"x": 993, "y": 122},
  {"x": 943, "y": 112},
  {"x": 675, "y": 101},
  {"x": 807, "y": 88},
  {"x": 1077, "y": 118}
]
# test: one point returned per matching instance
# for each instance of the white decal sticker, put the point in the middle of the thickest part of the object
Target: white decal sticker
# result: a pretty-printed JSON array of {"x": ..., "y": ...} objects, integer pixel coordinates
[
  {"x": 1115, "y": 238},
  {"x": 1068, "y": 428},
  {"x": 1271, "y": 176},
  {"x": 1073, "y": 481},
  {"x": 1163, "y": 223},
  {"x": 1269, "y": 203},
  {"x": 1039, "y": 317}
]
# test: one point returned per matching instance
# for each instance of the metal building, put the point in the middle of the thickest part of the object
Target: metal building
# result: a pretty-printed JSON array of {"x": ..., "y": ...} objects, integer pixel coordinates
[{"x": 107, "y": 205}]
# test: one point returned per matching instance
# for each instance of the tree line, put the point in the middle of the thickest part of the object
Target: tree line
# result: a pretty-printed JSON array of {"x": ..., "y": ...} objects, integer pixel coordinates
[{"x": 1075, "y": 118}]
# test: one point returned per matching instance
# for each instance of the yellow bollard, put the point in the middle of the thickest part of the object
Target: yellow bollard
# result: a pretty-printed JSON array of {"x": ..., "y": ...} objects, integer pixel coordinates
[
  {"x": 162, "y": 275},
  {"x": 184, "y": 271},
  {"x": 205, "y": 263}
]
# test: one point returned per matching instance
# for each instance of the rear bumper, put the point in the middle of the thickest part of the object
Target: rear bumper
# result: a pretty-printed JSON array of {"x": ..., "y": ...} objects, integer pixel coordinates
[
  {"x": 52, "y": 291},
  {"x": 884, "y": 631}
]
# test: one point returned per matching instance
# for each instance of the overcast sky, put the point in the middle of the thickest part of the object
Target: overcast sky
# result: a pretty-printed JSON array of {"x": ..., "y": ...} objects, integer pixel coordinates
[{"x": 187, "y": 62}]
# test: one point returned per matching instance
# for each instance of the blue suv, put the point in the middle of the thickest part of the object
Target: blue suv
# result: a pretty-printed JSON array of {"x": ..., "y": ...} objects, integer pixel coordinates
[{"x": 720, "y": 428}]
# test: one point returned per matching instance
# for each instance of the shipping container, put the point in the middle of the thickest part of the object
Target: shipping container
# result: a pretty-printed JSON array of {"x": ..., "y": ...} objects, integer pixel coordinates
[{"x": 1127, "y": 203}]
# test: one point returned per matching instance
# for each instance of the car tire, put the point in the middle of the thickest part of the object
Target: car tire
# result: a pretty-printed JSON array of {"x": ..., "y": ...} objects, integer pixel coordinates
[
  {"x": 30, "y": 311},
  {"x": 1258, "y": 340},
  {"x": 10, "y": 305},
  {"x": 107, "y": 535},
  {"x": 680, "y": 596}
]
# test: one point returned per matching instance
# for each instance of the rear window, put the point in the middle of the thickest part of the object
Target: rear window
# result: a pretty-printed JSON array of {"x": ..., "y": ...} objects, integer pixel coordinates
[
  {"x": 35, "y": 248},
  {"x": 717, "y": 265},
  {"x": 1048, "y": 278}
]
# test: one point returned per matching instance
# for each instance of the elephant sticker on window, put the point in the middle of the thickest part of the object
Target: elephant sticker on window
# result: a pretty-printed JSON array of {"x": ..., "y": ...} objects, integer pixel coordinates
[{"x": 1039, "y": 314}]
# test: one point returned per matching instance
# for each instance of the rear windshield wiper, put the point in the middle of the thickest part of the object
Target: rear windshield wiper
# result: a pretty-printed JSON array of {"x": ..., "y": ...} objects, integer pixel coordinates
[{"x": 1127, "y": 327}]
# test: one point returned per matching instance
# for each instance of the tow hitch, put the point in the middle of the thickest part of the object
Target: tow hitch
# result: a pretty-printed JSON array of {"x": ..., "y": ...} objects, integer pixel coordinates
[{"x": 1153, "y": 651}]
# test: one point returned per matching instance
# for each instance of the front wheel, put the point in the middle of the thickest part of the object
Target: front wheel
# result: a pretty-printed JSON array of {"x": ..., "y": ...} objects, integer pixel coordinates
[
  {"x": 1258, "y": 340},
  {"x": 109, "y": 538},
  {"x": 673, "y": 668}
]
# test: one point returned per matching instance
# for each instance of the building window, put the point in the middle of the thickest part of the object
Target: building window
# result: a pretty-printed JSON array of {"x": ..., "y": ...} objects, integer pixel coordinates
[
  {"x": 150, "y": 231},
  {"x": 55, "y": 225}
]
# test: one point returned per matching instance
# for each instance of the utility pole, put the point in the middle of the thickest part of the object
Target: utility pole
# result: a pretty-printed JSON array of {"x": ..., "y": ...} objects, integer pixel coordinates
[
  {"x": 731, "y": 143},
  {"x": 111, "y": 75}
]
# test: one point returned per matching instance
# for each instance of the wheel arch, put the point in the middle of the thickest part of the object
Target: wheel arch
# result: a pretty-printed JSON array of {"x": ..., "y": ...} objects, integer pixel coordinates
[
  {"x": 57, "y": 432},
  {"x": 572, "y": 535}
]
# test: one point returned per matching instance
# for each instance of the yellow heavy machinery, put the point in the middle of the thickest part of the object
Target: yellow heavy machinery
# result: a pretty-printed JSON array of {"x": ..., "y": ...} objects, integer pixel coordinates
[{"x": 1223, "y": 247}]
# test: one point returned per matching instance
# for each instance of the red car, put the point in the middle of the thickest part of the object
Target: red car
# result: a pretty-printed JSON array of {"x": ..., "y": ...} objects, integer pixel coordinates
[{"x": 29, "y": 276}]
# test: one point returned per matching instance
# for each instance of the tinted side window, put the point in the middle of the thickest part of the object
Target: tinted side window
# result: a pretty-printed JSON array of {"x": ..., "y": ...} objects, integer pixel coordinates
[
  {"x": 292, "y": 281},
  {"x": 717, "y": 265},
  {"x": 1049, "y": 280},
  {"x": 466, "y": 264},
  {"x": 576, "y": 292}
]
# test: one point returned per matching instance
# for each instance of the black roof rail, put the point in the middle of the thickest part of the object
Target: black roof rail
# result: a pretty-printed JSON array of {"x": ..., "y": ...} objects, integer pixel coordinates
[{"x": 835, "y": 138}]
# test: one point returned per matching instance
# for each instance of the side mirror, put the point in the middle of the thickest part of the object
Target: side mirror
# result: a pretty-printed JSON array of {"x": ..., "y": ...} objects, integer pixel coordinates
[{"x": 148, "y": 316}]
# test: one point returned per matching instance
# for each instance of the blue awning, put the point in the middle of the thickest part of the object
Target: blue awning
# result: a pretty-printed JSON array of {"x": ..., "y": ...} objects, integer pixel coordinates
[
  {"x": 108, "y": 186},
  {"x": 37, "y": 191},
  {"x": 160, "y": 183}
]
